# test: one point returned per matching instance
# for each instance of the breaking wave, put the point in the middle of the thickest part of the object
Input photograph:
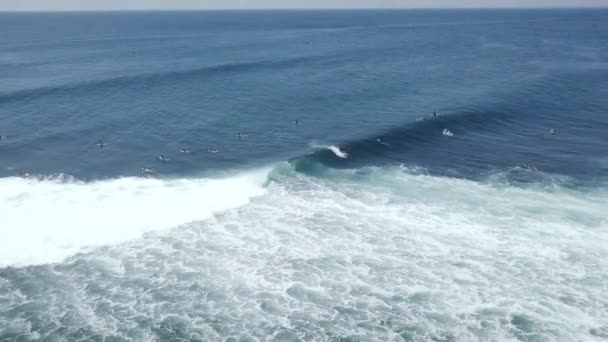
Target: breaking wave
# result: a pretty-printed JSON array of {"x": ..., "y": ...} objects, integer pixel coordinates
[
  {"x": 375, "y": 253},
  {"x": 46, "y": 220}
]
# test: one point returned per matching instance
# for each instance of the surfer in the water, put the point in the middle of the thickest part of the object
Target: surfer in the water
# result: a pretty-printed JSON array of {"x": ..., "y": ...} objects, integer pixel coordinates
[
  {"x": 434, "y": 115},
  {"x": 100, "y": 143},
  {"x": 381, "y": 141},
  {"x": 529, "y": 166},
  {"x": 338, "y": 151},
  {"x": 296, "y": 122}
]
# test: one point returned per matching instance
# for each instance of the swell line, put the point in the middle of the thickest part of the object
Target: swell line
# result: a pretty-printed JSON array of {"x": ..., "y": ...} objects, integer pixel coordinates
[{"x": 34, "y": 93}]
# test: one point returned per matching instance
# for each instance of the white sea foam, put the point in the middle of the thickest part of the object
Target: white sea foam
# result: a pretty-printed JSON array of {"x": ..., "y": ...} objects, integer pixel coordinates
[
  {"x": 370, "y": 255},
  {"x": 45, "y": 221}
]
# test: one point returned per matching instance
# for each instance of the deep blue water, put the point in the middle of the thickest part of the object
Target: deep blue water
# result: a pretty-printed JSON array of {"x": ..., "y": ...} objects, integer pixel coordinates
[
  {"x": 369, "y": 219},
  {"x": 152, "y": 83}
]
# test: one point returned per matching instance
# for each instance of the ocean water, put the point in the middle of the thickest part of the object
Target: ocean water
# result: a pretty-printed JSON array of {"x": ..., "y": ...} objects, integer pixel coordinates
[{"x": 306, "y": 189}]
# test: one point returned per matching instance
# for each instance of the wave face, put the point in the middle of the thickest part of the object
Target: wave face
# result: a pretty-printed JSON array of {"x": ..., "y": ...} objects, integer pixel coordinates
[
  {"x": 45, "y": 221},
  {"x": 473, "y": 142}
]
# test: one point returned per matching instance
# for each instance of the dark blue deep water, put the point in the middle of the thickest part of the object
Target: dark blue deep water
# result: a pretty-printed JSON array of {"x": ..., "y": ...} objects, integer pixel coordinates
[{"x": 306, "y": 189}]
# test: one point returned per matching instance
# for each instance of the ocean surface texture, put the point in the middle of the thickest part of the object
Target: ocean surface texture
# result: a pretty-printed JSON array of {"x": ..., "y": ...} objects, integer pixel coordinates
[{"x": 304, "y": 176}]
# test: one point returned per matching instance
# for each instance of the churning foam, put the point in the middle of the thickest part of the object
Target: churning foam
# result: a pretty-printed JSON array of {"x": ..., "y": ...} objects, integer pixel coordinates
[
  {"x": 373, "y": 254},
  {"x": 47, "y": 220}
]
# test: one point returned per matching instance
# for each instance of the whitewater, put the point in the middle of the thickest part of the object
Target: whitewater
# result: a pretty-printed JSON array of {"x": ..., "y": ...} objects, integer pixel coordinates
[
  {"x": 373, "y": 253},
  {"x": 46, "y": 220}
]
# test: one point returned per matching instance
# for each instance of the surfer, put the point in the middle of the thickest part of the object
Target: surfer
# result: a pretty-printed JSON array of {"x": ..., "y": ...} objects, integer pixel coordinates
[
  {"x": 338, "y": 151},
  {"x": 296, "y": 122},
  {"x": 381, "y": 141},
  {"x": 529, "y": 166},
  {"x": 434, "y": 115},
  {"x": 100, "y": 143},
  {"x": 552, "y": 131}
]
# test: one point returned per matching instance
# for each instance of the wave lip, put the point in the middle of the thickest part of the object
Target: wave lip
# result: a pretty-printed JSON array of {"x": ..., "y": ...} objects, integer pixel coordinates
[{"x": 46, "y": 221}]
